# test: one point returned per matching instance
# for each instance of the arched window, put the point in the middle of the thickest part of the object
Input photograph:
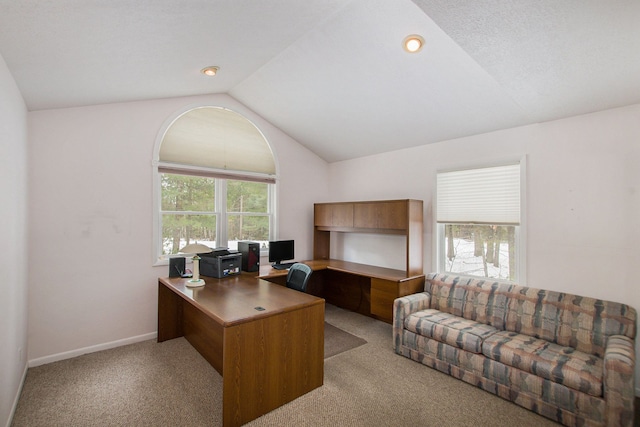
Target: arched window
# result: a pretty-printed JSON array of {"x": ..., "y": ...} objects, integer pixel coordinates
[{"x": 214, "y": 179}]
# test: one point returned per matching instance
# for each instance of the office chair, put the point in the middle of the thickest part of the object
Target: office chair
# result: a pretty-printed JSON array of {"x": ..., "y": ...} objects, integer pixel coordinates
[{"x": 298, "y": 276}]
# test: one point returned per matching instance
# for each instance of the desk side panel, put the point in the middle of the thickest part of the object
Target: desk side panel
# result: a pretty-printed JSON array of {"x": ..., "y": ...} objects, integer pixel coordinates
[
  {"x": 169, "y": 314},
  {"x": 272, "y": 361},
  {"x": 204, "y": 334}
]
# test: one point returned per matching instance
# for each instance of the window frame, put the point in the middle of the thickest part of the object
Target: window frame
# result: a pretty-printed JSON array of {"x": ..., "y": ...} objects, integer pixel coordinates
[
  {"x": 220, "y": 209},
  {"x": 438, "y": 245}
]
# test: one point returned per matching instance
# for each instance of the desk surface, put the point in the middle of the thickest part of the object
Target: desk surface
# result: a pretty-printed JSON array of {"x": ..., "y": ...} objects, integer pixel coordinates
[
  {"x": 233, "y": 300},
  {"x": 365, "y": 289},
  {"x": 346, "y": 267}
]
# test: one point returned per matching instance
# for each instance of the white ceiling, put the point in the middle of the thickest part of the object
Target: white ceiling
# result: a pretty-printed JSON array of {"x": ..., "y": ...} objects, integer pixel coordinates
[{"x": 332, "y": 73}]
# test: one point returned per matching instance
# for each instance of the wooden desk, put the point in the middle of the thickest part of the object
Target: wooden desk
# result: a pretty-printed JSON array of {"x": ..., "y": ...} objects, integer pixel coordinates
[
  {"x": 266, "y": 357},
  {"x": 362, "y": 288}
]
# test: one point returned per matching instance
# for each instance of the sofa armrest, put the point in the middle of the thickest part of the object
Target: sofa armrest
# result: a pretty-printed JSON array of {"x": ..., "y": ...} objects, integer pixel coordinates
[
  {"x": 619, "y": 379},
  {"x": 402, "y": 308}
]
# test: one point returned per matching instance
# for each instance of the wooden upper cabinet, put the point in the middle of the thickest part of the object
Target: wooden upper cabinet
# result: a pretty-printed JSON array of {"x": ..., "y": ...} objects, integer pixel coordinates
[
  {"x": 382, "y": 215},
  {"x": 390, "y": 215},
  {"x": 333, "y": 215},
  {"x": 402, "y": 217}
]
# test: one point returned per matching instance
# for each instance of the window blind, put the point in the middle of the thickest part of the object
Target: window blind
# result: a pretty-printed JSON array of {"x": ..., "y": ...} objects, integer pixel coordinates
[
  {"x": 479, "y": 196},
  {"x": 219, "y": 139}
]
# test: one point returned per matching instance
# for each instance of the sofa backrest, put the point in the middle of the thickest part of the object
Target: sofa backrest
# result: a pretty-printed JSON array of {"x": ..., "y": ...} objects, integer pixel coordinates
[{"x": 570, "y": 320}]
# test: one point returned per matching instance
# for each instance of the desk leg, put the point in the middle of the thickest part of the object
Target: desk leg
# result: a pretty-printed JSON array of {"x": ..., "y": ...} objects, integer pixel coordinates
[
  {"x": 169, "y": 314},
  {"x": 271, "y": 361}
]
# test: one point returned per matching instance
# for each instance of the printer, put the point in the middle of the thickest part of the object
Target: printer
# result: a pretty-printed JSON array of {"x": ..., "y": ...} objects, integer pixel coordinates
[{"x": 220, "y": 263}]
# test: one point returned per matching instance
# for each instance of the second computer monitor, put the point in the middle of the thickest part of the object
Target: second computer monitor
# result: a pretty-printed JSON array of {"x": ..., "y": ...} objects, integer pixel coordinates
[{"x": 281, "y": 250}]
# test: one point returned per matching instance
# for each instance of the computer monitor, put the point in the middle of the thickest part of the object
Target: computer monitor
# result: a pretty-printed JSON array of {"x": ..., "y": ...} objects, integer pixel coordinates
[{"x": 280, "y": 250}]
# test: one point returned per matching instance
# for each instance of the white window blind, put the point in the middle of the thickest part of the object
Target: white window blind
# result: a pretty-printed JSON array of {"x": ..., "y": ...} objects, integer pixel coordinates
[
  {"x": 217, "y": 139},
  {"x": 479, "y": 196}
]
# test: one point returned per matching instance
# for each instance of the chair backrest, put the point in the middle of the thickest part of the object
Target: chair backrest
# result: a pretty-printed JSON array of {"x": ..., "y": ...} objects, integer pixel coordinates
[{"x": 299, "y": 276}]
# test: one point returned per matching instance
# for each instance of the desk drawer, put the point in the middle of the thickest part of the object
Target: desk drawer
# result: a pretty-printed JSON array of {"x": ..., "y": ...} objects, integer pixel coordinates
[{"x": 383, "y": 293}]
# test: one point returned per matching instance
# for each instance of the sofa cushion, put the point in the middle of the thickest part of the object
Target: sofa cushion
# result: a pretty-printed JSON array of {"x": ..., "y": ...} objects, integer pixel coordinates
[
  {"x": 564, "y": 365},
  {"x": 453, "y": 330}
]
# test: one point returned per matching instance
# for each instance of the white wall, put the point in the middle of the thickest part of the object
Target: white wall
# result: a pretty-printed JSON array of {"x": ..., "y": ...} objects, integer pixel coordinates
[
  {"x": 92, "y": 284},
  {"x": 582, "y": 205},
  {"x": 13, "y": 229}
]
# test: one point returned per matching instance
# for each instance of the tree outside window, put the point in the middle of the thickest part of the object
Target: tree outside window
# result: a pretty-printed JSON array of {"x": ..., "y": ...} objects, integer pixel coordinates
[
  {"x": 188, "y": 211},
  {"x": 481, "y": 250},
  {"x": 247, "y": 212}
]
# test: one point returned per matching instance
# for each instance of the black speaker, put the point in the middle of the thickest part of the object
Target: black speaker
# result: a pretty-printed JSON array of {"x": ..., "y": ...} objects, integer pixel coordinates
[
  {"x": 250, "y": 255},
  {"x": 176, "y": 267}
]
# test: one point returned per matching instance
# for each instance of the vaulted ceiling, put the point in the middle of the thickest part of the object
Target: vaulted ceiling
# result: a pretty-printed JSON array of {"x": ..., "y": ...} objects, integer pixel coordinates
[{"x": 332, "y": 73}]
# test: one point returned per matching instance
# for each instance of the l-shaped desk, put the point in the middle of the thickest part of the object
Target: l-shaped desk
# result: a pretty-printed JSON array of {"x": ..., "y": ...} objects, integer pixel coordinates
[
  {"x": 265, "y": 340},
  {"x": 362, "y": 288}
]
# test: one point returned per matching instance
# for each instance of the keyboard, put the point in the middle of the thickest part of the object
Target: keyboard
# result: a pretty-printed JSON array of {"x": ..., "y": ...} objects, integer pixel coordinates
[{"x": 282, "y": 266}]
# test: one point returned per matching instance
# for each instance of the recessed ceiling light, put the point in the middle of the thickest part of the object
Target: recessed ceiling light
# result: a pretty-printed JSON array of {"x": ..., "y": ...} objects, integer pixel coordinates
[
  {"x": 210, "y": 71},
  {"x": 413, "y": 43}
]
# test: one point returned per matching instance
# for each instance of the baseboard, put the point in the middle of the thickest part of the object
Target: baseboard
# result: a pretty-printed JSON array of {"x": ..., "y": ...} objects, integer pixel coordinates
[
  {"x": 79, "y": 352},
  {"x": 17, "y": 397}
]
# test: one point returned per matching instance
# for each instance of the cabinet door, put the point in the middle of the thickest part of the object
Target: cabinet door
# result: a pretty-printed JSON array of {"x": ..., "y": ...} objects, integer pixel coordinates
[
  {"x": 385, "y": 215},
  {"x": 333, "y": 215}
]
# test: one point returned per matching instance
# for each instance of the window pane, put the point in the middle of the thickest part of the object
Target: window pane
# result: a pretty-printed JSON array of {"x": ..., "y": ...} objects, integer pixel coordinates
[
  {"x": 480, "y": 250},
  {"x": 245, "y": 196},
  {"x": 187, "y": 193},
  {"x": 180, "y": 230},
  {"x": 246, "y": 227}
]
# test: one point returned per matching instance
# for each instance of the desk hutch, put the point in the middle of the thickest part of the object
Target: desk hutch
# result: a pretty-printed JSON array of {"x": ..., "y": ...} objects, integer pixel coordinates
[{"x": 366, "y": 289}]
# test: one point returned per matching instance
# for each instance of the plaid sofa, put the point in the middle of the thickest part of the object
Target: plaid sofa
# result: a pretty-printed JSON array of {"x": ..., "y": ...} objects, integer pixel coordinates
[{"x": 567, "y": 357}]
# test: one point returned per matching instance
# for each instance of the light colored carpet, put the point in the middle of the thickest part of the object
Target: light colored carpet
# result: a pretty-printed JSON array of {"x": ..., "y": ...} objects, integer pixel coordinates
[{"x": 170, "y": 384}]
